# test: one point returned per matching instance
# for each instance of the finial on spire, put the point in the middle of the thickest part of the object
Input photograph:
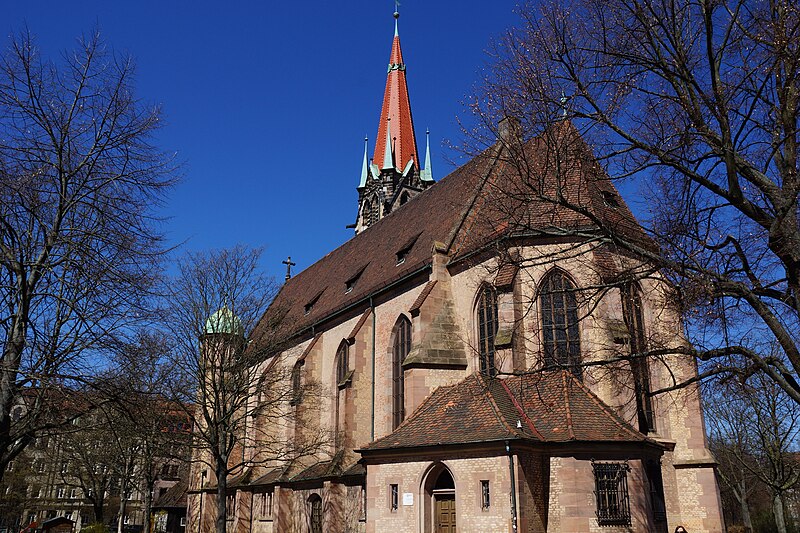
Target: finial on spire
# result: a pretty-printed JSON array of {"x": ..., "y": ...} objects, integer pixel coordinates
[
  {"x": 563, "y": 100},
  {"x": 396, "y": 15},
  {"x": 364, "y": 166}
]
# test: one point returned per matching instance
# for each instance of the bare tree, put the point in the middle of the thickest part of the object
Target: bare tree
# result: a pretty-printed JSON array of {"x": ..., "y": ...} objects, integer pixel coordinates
[
  {"x": 753, "y": 428},
  {"x": 232, "y": 359},
  {"x": 695, "y": 103},
  {"x": 79, "y": 180},
  {"x": 157, "y": 424}
]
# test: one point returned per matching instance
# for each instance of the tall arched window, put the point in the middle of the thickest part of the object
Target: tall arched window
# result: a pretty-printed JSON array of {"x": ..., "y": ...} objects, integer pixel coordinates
[
  {"x": 315, "y": 513},
  {"x": 297, "y": 391},
  {"x": 400, "y": 348},
  {"x": 634, "y": 319},
  {"x": 487, "y": 328},
  {"x": 342, "y": 364},
  {"x": 560, "y": 334}
]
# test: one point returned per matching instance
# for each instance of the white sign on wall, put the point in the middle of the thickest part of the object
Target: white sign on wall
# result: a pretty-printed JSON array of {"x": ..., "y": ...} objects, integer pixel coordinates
[{"x": 408, "y": 498}]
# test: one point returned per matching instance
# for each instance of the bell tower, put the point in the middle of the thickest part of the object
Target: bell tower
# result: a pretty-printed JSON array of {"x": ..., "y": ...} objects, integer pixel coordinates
[{"x": 393, "y": 175}]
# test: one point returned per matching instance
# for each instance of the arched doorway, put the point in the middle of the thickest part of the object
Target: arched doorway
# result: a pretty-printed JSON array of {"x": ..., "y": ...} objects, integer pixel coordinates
[
  {"x": 444, "y": 503},
  {"x": 439, "y": 511}
]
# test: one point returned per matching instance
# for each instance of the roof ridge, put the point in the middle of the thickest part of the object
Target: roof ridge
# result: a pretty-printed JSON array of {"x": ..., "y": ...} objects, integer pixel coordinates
[
  {"x": 493, "y": 160},
  {"x": 521, "y": 411},
  {"x": 496, "y": 409},
  {"x": 567, "y": 406}
]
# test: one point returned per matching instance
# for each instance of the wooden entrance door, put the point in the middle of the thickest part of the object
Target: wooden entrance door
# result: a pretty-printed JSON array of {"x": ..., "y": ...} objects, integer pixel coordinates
[{"x": 445, "y": 513}]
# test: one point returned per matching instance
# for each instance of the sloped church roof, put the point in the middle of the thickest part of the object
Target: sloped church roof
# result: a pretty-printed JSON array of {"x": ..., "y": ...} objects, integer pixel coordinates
[{"x": 484, "y": 200}]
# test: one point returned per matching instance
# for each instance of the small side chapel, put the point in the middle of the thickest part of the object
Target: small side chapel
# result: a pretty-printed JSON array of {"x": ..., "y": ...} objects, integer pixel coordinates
[{"x": 457, "y": 340}]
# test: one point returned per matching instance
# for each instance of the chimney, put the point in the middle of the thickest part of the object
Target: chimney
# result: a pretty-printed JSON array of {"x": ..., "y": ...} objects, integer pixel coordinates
[{"x": 509, "y": 131}]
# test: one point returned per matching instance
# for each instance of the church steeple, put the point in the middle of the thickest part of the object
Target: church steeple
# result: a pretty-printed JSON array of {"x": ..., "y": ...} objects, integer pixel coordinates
[
  {"x": 395, "y": 126},
  {"x": 395, "y": 174}
]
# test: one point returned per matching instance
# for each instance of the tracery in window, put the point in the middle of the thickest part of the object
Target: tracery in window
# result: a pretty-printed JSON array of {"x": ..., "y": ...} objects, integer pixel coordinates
[
  {"x": 560, "y": 333},
  {"x": 315, "y": 513},
  {"x": 487, "y": 328},
  {"x": 401, "y": 346}
]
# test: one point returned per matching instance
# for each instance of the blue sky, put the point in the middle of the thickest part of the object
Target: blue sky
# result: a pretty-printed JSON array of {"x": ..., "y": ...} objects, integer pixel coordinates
[{"x": 267, "y": 103}]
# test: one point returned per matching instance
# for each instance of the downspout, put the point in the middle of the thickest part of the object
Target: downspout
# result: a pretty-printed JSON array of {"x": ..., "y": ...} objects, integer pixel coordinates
[
  {"x": 202, "y": 484},
  {"x": 372, "y": 311},
  {"x": 513, "y": 489}
]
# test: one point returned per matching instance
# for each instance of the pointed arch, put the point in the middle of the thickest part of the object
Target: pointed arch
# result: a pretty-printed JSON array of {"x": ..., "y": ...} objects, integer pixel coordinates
[
  {"x": 438, "y": 498},
  {"x": 559, "y": 314},
  {"x": 342, "y": 362},
  {"x": 401, "y": 346},
  {"x": 486, "y": 322},
  {"x": 632, "y": 311},
  {"x": 315, "y": 513}
]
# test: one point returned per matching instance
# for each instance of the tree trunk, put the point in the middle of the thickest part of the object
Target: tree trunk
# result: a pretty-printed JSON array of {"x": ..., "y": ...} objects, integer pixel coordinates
[
  {"x": 777, "y": 509},
  {"x": 222, "y": 492},
  {"x": 148, "y": 505},
  {"x": 742, "y": 496}
]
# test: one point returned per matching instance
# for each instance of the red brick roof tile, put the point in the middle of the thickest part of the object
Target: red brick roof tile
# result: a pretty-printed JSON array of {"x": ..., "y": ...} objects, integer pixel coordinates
[{"x": 550, "y": 407}]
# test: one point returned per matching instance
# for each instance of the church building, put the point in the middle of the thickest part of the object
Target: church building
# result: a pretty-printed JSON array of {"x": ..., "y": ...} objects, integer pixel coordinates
[{"x": 480, "y": 357}]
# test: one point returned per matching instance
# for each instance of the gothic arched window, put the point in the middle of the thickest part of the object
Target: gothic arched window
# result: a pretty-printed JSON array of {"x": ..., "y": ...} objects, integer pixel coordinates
[
  {"x": 342, "y": 364},
  {"x": 487, "y": 328},
  {"x": 400, "y": 348},
  {"x": 634, "y": 319},
  {"x": 560, "y": 334},
  {"x": 297, "y": 392},
  {"x": 315, "y": 513}
]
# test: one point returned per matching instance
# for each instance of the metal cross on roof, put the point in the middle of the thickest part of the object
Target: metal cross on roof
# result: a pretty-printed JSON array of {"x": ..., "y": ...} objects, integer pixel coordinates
[{"x": 289, "y": 266}]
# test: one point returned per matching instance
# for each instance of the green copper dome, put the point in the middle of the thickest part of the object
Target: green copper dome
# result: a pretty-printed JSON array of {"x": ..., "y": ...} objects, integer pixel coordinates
[{"x": 224, "y": 321}]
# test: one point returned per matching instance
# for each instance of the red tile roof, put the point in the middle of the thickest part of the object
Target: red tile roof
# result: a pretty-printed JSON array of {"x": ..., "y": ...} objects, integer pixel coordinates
[{"x": 552, "y": 408}]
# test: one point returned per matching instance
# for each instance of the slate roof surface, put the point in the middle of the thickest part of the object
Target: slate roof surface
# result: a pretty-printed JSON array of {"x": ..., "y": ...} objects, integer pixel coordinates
[
  {"x": 481, "y": 201},
  {"x": 552, "y": 407}
]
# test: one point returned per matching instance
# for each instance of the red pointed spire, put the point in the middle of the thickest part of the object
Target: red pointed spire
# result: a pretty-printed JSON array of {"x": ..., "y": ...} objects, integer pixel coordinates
[{"x": 396, "y": 107}]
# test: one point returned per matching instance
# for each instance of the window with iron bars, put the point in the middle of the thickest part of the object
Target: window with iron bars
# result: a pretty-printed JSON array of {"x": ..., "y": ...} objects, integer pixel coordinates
[{"x": 611, "y": 492}]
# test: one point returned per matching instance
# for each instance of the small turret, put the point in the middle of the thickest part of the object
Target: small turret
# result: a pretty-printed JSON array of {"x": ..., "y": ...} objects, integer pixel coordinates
[{"x": 224, "y": 322}]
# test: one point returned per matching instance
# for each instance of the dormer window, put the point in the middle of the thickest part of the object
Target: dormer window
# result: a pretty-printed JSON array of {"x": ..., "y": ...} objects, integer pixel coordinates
[
  {"x": 403, "y": 252},
  {"x": 610, "y": 199},
  {"x": 310, "y": 305},
  {"x": 350, "y": 283}
]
